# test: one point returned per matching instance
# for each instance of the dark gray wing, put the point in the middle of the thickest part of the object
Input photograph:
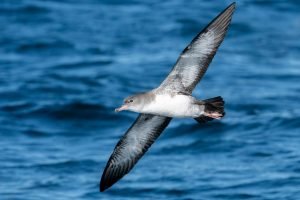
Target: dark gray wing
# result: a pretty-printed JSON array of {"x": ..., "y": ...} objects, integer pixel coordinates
[
  {"x": 132, "y": 146},
  {"x": 195, "y": 58}
]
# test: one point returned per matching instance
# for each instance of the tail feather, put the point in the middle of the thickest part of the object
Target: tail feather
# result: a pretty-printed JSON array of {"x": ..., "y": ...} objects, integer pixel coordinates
[{"x": 214, "y": 109}]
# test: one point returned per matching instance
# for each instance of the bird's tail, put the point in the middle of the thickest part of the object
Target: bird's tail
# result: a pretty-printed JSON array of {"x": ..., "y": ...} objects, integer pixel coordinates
[{"x": 214, "y": 109}]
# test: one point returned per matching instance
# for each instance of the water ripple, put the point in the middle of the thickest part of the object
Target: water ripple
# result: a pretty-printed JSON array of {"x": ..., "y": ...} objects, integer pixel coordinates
[{"x": 65, "y": 66}]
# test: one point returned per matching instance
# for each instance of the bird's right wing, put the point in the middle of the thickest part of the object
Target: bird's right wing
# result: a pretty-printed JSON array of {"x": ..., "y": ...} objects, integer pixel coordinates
[
  {"x": 196, "y": 57},
  {"x": 132, "y": 146}
]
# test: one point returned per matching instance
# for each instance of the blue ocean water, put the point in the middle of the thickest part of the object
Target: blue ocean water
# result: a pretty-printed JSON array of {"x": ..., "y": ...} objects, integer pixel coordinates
[{"x": 65, "y": 65}]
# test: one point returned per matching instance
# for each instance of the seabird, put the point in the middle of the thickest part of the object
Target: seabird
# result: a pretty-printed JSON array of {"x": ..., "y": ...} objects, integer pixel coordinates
[{"x": 173, "y": 98}]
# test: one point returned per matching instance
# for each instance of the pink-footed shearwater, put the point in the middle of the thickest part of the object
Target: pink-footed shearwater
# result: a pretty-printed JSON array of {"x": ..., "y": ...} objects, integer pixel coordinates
[{"x": 173, "y": 98}]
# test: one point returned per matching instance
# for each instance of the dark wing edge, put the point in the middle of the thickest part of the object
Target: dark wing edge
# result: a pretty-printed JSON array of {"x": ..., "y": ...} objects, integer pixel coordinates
[
  {"x": 196, "y": 57},
  {"x": 132, "y": 146}
]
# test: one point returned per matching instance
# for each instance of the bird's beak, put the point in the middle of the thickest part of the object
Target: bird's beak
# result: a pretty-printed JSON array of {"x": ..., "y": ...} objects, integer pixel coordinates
[{"x": 123, "y": 107}]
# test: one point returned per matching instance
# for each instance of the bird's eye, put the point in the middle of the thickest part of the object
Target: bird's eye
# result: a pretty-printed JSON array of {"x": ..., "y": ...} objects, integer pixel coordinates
[{"x": 130, "y": 100}]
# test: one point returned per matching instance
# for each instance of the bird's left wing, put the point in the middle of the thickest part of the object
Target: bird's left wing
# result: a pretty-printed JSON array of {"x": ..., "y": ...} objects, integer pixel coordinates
[
  {"x": 132, "y": 146},
  {"x": 196, "y": 57}
]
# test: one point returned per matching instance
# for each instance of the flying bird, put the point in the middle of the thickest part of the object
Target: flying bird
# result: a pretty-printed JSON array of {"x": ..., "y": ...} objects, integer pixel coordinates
[{"x": 173, "y": 98}]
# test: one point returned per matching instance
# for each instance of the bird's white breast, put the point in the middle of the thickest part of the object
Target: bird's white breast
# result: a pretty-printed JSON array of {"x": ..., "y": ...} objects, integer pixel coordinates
[{"x": 170, "y": 105}]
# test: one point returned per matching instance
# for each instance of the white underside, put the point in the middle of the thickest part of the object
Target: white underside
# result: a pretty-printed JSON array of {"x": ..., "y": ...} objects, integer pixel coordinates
[{"x": 173, "y": 106}]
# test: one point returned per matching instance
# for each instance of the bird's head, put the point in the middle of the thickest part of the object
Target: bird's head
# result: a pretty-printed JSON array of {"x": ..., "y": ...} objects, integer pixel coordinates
[{"x": 133, "y": 103}]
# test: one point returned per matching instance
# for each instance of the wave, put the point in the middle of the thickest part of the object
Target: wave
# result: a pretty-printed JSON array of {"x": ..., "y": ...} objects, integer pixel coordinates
[
  {"x": 29, "y": 9},
  {"x": 86, "y": 63},
  {"x": 83, "y": 163},
  {"x": 70, "y": 110},
  {"x": 74, "y": 110},
  {"x": 43, "y": 46}
]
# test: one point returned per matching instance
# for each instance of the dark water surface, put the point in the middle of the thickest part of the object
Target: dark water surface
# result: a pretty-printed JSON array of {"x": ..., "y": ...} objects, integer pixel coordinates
[{"x": 65, "y": 65}]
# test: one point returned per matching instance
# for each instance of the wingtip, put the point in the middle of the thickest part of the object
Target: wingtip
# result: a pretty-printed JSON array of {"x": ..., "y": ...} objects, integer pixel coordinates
[
  {"x": 101, "y": 189},
  {"x": 106, "y": 179},
  {"x": 230, "y": 8},
  {"x": 232, "y": 5},
  {"x": 104, "y": 182},
  {"x": 102, "y": 186}
]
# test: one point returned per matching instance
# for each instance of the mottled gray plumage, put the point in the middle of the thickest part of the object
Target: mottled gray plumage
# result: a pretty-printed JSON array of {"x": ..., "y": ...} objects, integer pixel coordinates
[
  {"x": 196, "y": 57},
  {"x": 187, "y": 72},
  {"x": 132, "y": 146}
]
